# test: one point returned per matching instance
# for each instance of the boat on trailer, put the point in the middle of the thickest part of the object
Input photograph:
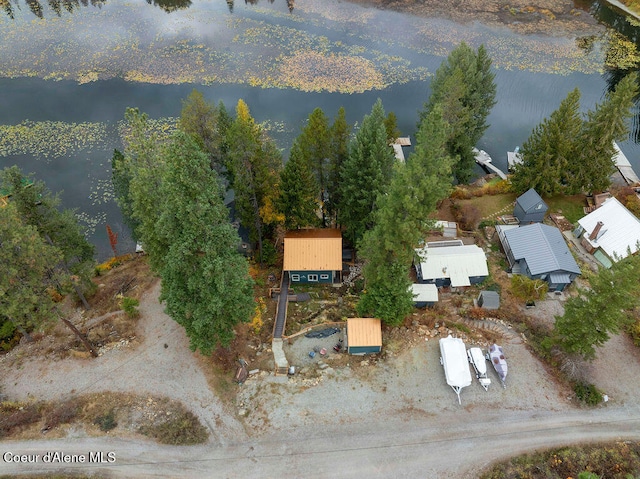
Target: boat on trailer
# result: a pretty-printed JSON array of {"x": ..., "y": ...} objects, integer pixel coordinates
[
  {"x": 496, "y": 356},
  {"x": 453, "y": 357},
  {"x": 479, "y": 363}
]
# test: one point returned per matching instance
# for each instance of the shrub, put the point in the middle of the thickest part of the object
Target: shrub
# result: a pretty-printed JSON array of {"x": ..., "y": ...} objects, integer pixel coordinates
[
  {"x": 269, "y": 254},
  {"x": 461, "y": 193},
  {"x": 181, "y": 430},
  {"x": 497, "y": 187},
  {"x": 106, "y": 422},
  {"x": 634, "y": 331},
  {"x": 130, "y": 307},
  {"x": 62, "y": 414},
  {"x": 588, "y": 394},
  {"x": 15, "y": 415},
  {"x": 528, "y": 289}
]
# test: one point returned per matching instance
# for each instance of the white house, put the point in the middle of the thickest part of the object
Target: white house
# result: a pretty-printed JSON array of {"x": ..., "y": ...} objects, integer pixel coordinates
[
  {"x": 451, "y": 263},
  {"x": 610, "y": 232}
]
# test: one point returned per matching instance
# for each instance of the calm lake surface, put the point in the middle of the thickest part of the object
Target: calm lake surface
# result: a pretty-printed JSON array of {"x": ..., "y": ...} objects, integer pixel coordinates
[{"x": 66, "y": 77}]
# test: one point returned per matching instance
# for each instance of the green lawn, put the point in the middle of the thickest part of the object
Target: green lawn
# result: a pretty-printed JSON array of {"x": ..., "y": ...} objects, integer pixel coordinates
[
  {"x": 569, "y": 206},
  {"x": 490, "y": 204}
]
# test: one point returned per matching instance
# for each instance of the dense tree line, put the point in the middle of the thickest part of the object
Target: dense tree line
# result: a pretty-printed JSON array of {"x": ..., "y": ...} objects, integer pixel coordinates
[
  {"x": 175, "y": 196},
  {"x": 569, "y": 153}
]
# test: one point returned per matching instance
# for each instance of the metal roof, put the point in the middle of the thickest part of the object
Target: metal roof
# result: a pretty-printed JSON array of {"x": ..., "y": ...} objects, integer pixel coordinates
[
  {"x": 542, "y": 247},
  {"x": 559, "y": 278},
  {"x": 529, "y": 199},
  {"x": 455, "y": 262},
  {"x": 313, "y": 250},
  {"x": 364, "y": 332},
  {"x": 424, "y": 293},
  {"x": 621, "y": 228}
]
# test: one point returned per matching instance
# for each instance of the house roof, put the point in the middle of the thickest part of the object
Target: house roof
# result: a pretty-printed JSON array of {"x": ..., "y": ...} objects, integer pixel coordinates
[
  {"x": 424, "y": 293},
  {"x": 620, "y": 230},
  {"x": 542, "y": 247},
  {"x": 364, "y": 332},
  {"x": 313, "y": 250},
  {"x": 458, "y": 263},
  {"x": 529, "y": 199}
]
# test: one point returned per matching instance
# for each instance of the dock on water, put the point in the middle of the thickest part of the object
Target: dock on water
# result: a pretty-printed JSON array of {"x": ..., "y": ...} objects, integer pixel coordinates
[
  {"x": 485, "y": 161},
  {"x": 624, "y": 167}
]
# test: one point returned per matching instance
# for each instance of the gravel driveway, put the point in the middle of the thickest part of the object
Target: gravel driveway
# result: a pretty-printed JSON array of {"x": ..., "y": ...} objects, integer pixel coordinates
[{"x": 407, "y": 386}]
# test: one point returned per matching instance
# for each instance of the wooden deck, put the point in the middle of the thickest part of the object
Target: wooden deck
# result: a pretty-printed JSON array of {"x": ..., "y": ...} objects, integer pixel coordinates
[{"x": 624, "y": 166}]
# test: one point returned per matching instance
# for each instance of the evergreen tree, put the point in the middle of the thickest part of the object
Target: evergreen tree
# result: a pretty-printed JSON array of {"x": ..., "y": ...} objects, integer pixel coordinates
[
  {"x": 365, "y": 174},
  {"x": 27, "y": 262},
  {"x": 143, "y": 166},
  {"x": 298, "y": 200},
  {"x": 120, "y": 179},
  {"x": 402, "y": 221},
  {"x": 29, "y": 273},
  {"x": 388, "y": 297},
  {"x": 464, "y": 86},
  {"x": 314, "y": 144},
  {"x": 200, "y": 119},
  {"x": 340, "y": 131},
  {"x": 254, "y": 165},
  {"x": 40, "y": 209},
  {"x": 391, "y": 126},
  {"x": 551, "y": 148},
  {"x": 590, "y": 318},
  {"x": 205, "y": 282},
  {"x": 593, "y": 167}
]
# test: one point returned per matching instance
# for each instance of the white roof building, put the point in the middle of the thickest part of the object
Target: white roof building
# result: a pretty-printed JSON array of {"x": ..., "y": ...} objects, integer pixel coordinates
[
  {"x": 612, "y": 228},
  {"x": 458, "y": 265}
]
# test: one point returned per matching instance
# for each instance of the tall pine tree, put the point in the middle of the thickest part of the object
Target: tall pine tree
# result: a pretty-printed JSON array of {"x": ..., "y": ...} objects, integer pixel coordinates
[
  {"x": 607, "y": 123},
  {"x": 365, "y": 174},
  {"x": 340, "y": 132},
  {"x": 402, "y": 221},
  {"x": 464, "y": 86},
  {"x": 550, "y": 150},
  {"x": 314, "y": 144},
  {"x": 205, "y": 281},
  {"x": 298, "y": 200},
  {"x": 254, "y": 165}
]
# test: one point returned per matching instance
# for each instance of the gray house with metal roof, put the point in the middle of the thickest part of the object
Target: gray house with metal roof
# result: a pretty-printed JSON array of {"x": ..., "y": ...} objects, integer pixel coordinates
[
  {"x": 530, "y": 208},
  {"x": 540, "y": 252}
]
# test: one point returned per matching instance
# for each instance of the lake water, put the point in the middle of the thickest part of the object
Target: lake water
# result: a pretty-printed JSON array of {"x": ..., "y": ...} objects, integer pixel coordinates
[{"x": 72, "y": 75}]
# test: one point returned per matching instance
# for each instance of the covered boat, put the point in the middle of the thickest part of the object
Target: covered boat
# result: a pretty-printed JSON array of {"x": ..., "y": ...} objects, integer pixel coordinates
[
  {"x": 479, "y": 363},
  {"x": 453, "y": 357},
  {"x": 496, "y": 356}
]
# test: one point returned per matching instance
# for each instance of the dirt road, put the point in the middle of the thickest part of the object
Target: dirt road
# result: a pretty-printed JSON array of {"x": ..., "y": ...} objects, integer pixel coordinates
[{"x": 445, "y": 446}]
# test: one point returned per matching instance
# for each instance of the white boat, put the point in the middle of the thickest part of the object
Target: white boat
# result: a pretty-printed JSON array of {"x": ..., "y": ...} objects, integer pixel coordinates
[
  {"x": 496, "y": 356},
  {"x": 454, "y": 360},
  {"x": 479, "y": 363}
]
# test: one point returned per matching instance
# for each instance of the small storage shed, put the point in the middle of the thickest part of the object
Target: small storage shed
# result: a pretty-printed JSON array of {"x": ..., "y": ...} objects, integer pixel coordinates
[
  {"x": 424, "y": 294},
  {"x": 489, "y": 300},
  {"x": 364, "y": 335},
  {"x": 530, "y": 208}
]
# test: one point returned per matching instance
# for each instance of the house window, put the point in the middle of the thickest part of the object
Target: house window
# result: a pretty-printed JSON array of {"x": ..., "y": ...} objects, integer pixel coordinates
[
  {"x": 324, "y": 276},
  {"x": 295, "y": 277},
  {"x": 312, "y": 277}
]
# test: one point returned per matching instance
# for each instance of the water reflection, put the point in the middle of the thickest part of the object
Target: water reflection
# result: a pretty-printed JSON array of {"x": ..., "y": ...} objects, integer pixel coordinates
[
  {"x": 9, "y": 7},
  {"x": 290, "y": 4},
  {"x": 56, "y": 6},
  {"x": 170, "y": 5}
]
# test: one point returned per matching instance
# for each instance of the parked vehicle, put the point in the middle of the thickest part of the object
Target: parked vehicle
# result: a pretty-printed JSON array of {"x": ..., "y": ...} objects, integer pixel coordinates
[
  {"x": 479, "y": 363},
  {"x": 454, "y": 360},
  {"x": 496, "y": 356}
]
